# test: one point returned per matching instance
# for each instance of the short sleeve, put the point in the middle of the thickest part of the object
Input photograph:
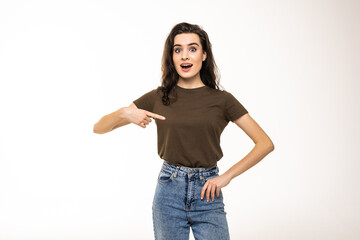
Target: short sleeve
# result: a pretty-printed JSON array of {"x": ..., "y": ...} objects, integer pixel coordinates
[
  {"x": 233, "y": 108},
  {"x": 146, "y": 101}
]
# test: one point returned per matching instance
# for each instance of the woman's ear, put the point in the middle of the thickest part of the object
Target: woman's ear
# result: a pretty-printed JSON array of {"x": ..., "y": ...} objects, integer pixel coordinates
[{"x": 204, "y": 56}]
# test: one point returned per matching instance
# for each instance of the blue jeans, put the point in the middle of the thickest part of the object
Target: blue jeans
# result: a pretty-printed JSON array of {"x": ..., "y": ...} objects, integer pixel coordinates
[{"x": 177, "y": 205}]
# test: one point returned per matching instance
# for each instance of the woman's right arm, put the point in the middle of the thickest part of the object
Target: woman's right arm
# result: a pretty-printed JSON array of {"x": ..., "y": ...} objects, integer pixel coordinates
[{"x": 124, "y": 116}]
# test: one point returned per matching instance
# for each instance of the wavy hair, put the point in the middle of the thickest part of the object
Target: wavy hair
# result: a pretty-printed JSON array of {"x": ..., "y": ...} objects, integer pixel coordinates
[{"x": 209, "y": 72}]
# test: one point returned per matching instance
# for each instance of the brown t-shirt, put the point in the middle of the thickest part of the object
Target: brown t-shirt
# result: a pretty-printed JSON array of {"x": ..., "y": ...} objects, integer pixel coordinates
[{"x": 190, "y": 134}]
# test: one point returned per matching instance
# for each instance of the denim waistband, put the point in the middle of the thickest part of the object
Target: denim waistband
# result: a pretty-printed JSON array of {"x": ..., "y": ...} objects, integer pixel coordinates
[{"x": 183, "y": 171}]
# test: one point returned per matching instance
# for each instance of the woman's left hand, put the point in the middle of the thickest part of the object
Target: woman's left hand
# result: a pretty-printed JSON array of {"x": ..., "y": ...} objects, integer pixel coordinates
[{"x": 214, "y": 185}]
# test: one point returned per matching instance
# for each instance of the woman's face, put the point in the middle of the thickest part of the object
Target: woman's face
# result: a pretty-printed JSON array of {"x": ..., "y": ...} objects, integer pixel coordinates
[{"x": 188, "y": 55}]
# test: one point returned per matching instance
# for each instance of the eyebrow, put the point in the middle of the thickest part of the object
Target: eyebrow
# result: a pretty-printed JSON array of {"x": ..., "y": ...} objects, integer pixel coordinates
[{"x": 175, "y": 45}]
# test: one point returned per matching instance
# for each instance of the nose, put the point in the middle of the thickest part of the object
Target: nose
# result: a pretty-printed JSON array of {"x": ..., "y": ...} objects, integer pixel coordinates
[{"x": 184, "y": 56}]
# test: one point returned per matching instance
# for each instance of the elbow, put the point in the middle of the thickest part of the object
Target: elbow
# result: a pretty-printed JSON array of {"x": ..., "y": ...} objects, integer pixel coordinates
[
  {"x": 271, "y": 146},
  {"x": 96, "y": 130},
  {"x": 267, "y": 145}
]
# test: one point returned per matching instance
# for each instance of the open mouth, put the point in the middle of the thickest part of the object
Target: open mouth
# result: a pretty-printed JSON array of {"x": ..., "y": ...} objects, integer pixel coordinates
[{"x": 186, "y": 66}]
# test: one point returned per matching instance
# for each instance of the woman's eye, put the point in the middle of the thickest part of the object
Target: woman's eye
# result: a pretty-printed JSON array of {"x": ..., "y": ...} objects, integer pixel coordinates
[
  {"x": 192, "y": 49},
  {"x": 177, "y": 50}
]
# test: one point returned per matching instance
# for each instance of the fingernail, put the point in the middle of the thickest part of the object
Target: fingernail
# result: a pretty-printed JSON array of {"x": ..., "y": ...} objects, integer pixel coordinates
[{"x": 163, "y": 117}]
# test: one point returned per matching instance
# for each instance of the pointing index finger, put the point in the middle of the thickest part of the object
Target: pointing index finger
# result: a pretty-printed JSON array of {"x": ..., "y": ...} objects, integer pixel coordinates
[{"x": 154, "y": 115}]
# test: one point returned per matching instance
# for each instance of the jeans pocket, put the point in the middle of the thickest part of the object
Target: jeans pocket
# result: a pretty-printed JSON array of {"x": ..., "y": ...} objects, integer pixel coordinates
[{"x": 165, "y": 176}]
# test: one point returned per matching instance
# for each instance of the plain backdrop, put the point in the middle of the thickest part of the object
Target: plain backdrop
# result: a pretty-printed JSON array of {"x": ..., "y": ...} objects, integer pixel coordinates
[{"x": 295, "y": 66}]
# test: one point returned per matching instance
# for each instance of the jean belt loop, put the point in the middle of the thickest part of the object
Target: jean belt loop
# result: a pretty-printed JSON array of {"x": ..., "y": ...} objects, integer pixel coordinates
[
  {"x": 201, "y": 174},
  {"x": 176, "y": 171}
]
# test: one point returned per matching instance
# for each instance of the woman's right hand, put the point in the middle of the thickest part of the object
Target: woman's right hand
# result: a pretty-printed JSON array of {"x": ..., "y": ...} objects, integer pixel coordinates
[{"x": 140, "y": 117}]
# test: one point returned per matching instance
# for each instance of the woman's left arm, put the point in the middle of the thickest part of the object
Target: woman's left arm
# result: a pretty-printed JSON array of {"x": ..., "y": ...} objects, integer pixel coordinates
[{"x": 263, "y": 146}]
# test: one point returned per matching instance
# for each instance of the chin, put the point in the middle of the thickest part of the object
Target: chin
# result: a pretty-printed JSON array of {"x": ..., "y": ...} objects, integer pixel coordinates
[{"x": 187, "y": 75}]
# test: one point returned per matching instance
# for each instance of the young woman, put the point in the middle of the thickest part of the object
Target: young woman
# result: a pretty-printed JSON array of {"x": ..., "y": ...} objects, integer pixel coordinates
[{"x": 190, "y": 112}]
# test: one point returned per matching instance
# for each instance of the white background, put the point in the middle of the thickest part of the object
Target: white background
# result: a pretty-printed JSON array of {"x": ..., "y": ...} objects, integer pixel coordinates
[{"x": 64, "y": 64}]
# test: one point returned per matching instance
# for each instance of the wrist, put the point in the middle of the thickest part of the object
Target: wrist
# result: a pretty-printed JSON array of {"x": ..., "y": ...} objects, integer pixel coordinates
[
  {"x": 228, "y": 175},
  {"x": 122, "y": 113}
]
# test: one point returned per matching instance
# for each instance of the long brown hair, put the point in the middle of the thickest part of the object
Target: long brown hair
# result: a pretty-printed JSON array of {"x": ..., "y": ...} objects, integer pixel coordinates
[{"x": 209, "y": 73}]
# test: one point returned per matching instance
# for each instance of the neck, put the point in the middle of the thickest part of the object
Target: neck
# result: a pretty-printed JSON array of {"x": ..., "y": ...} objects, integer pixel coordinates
[{"x": 190, "y": 82}]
